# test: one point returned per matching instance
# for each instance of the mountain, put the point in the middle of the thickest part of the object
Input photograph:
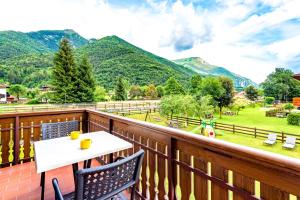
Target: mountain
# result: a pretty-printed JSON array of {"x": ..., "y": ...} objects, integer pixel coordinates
[
  {"x": 112, "y": 56},
  {"x": 199, "y": 65},
  {"x": 51, "y": 38},
  {"x": 14, "y": 44}
]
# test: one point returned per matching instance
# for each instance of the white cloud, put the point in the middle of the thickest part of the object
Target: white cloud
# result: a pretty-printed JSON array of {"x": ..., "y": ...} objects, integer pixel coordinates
[{"x": 216, "y": 35}]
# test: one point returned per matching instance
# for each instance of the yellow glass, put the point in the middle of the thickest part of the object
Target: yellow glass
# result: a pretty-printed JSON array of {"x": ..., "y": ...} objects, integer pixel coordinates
[
  {"x": 75, "y": 135},
  {"x": 85, "y": 143}
]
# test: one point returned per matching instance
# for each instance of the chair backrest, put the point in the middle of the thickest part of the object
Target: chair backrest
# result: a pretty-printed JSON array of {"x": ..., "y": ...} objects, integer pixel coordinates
[
  {"x": 59, "y": 129},
  {"x": 290, "y": 140},
  {"x": 272, "y": 136},
  {"x": 106, "y": 181}
]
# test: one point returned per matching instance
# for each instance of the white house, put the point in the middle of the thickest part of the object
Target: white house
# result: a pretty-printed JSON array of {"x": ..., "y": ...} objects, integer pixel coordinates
[{"x": 3, "y": 93}]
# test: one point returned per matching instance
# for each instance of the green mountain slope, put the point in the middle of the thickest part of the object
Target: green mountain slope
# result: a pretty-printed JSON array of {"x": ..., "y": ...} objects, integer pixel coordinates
[
  {"x": 14, "y": 43},
  {"x": 51, "y": 38},
  {"x": 113, "y": 57},
  {"x": 198, "y": 65}
]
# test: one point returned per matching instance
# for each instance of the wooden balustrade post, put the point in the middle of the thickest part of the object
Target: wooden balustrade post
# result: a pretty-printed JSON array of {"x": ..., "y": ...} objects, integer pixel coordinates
[
  {"x": 171, "y": 169},
  {"x": 16, "y": 140},
  {"x": 110, "y": 130}
]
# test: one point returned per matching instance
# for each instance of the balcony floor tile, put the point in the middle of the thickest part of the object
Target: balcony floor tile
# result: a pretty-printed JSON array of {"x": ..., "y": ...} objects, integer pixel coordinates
[{"x": 21, "y": 182}]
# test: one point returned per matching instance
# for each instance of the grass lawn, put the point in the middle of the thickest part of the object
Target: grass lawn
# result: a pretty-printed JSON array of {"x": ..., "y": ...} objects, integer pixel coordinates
[
  {"x": 230, "y": 137},
  {"x": 255, "y": 117}
]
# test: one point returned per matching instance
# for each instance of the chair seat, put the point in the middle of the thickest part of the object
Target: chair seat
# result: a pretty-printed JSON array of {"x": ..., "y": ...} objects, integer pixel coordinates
[
  {"x": 289, "y": 146},
  {"x": 71, "y": 196},
  {"x": 269, "y": 142}
]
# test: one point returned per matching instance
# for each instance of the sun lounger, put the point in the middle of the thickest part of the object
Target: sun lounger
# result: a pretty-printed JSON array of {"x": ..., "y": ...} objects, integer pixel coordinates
[
  {"x": 271, "y": 139},
  {"x": 290, "y": 142}
]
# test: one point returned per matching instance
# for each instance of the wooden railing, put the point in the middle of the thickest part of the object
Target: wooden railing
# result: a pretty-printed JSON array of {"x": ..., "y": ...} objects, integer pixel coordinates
[
  {"x": 251, "y": 131},
  {"x": 177, "y": 165}
]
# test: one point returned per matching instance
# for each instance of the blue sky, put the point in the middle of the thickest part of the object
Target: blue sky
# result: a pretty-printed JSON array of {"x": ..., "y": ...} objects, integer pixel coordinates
[{"x": 249, "y": 37}]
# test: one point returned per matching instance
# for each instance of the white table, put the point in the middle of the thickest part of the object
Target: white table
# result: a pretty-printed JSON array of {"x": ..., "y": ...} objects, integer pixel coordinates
[{"x": 54, "y": 153}]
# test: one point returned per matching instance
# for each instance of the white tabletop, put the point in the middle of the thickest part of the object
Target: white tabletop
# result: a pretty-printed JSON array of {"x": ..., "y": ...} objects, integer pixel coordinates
[{"x": 54, "y": 153}]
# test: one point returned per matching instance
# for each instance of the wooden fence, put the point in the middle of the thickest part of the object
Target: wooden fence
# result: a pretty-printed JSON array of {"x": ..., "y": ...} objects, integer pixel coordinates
[
  {"x": 102, "y": 106},
  {"x": 252, "y": 131},
  {"x": 177, "y": 165}
]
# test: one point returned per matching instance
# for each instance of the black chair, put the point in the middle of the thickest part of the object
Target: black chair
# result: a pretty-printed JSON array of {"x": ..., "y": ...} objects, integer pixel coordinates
[
  {"x": 105, "y": 182},
  {"x": 58, "y": 129}
]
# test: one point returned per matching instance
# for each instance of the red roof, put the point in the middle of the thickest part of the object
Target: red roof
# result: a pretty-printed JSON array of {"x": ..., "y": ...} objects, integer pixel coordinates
[{"x": 297, "y": 76}]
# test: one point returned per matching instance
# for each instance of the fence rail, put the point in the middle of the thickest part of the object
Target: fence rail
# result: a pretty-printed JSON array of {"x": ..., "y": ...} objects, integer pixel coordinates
[
  {"x": 252, "y": 131},
  {"x": 177, "y": 164},
  {"x": 102, "y": 106}
]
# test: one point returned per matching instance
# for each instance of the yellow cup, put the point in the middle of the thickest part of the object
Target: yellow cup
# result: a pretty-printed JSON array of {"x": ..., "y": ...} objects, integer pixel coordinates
[
  {"x": 75, "y": 135},
  {"x": 85, "y": 143}
]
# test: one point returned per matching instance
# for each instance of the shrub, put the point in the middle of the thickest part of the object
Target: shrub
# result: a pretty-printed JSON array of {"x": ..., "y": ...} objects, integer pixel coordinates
[
  {"x": 289, "y": 107},
  {"x": 273, "y": 112},
  {"x": 269, "y": 100},
  {"x": 294, "y": 119},
  {"x": 34, "y": 101}
]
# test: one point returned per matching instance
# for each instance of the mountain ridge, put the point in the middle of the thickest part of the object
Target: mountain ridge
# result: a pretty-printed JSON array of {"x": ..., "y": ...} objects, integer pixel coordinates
[{"x": 199, "y": 65}]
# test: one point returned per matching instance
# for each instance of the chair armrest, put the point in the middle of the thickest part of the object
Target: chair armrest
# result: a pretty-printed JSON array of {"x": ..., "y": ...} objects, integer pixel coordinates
[
  {"x": 119, "y": 158},
  {"x": 58, "y": 194}
]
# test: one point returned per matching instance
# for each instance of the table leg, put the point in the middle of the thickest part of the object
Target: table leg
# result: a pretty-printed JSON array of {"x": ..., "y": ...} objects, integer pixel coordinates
[
  {"x": 42, "y": 184},
  {"x": 75, "y": 169}
]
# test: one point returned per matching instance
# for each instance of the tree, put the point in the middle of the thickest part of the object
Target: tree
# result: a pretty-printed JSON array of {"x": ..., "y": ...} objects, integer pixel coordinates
[
  {"x": 100, "y": 94},
  {"x": 120, "y": 91},
  {"x": 85, "y": 83},
  {"x": 169, "y": 105},
  {"x": 33, "y": 93},
  {"x": 289, "y": 107},
  {"x": 173, "y": 87},
  {"x": 281, "y": 85},
  {"x": 251, "y": 93},
  {"x": 195, "y": 84},
  {"x": 213, "y": 87},
  {"x": 239, "y": 104},
  {"x": 151, "y": 91},
  {"x": 227, "y": 96},
  {"x": 160, "y": 91},
  {"x": 203, "y": 107},
  {"x": 17, "y": 90},
  {"x": 135, "y": 92},
  {"x": 64, "y": 74},
  {"x": 46, "y": 97}
]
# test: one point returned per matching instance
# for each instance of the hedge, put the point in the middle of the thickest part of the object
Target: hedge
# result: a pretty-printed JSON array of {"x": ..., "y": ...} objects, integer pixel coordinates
[{"x": 294, "y": 119}]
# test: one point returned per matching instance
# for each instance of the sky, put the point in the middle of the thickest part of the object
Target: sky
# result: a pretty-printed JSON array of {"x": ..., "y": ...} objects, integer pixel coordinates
[{"x": 249, "y": 37}]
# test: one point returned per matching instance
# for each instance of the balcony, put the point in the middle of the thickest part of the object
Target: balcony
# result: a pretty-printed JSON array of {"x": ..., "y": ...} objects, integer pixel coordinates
[{"x": 177, "y": 164}]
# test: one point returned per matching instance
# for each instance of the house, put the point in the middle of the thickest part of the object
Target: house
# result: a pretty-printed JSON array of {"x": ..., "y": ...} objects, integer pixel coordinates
[
  {"x": 296, "y": 100},
  {"x": 3, "y": 93}
]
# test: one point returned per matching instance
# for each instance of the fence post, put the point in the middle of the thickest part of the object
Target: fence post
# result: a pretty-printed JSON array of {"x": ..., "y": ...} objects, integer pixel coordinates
[
  {"x": 187, "y": 121},
  {"x": 255, "y": 132},
  {"x": 16, "y": 140},
  {"x": 282, "y": 136},
  {"x": 233, "y": 128}
]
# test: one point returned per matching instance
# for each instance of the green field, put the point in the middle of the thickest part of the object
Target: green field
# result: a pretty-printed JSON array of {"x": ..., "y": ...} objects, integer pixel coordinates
[
  {"x": 240, "y": 138},
  {"x": 255, "y": 117}
]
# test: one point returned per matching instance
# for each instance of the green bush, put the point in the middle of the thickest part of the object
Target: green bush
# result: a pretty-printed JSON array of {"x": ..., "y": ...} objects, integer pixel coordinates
[
  {"x": 294, "y": 119},
  {"x": 273, "y": 112},
  {"x": 289, "y": 107},
  {"x": 269, "y": 100},
  {"x": 34, "y": 101}
]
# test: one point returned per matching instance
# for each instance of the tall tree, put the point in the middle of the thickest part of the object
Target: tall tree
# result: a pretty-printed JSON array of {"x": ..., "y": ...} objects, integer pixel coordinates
[
  {"x": 64, "y": 74},
  {"x": 281, "y": 85},
  {"x": 251, "y": 92},
  {"x": 17, "y": 90},
  {"x": 135, "y": 92},
  {"x": 151, "y": 91},
  {"x": 173, "y": 87},
  {"x": 195, "y": 84},
  {"x": 227, "y": 96},
  {"x": 160, "y": 91},
  {"x": 120, "y": 90},
  {"x": 85, "y": 82},
  {"x": 213, "y": 87}
]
